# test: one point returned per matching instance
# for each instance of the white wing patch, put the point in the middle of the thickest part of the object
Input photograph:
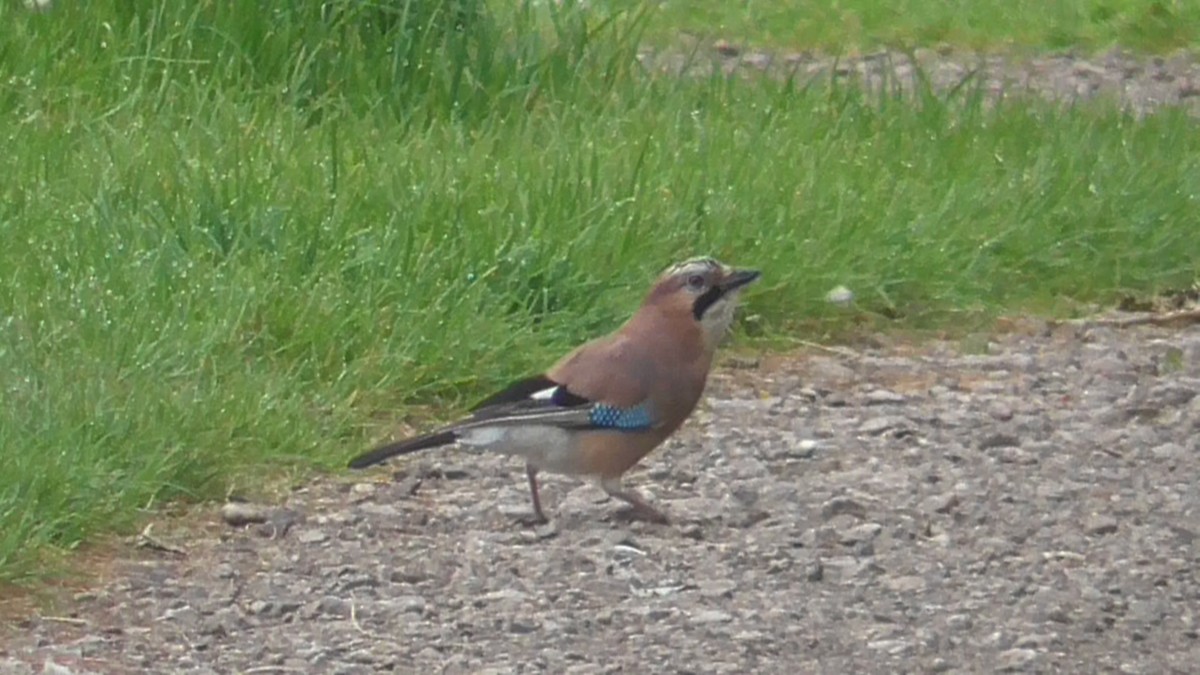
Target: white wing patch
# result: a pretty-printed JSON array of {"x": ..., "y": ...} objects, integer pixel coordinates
[{"x": 543, "y": 395}]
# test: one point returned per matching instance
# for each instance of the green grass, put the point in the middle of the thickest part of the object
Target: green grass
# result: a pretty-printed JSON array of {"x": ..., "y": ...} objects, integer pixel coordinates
[
  {"x": 237, "y": 245},
  {"x": 841, "y": 26}
]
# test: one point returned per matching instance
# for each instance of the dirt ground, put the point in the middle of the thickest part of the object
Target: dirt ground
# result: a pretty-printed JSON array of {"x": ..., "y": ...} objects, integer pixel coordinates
[{"x": 1025, "y": 504}]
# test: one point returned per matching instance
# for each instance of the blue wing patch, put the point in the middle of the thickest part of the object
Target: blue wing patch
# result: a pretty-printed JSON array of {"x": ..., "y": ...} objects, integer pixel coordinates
[{"x": 621, "y": 419}]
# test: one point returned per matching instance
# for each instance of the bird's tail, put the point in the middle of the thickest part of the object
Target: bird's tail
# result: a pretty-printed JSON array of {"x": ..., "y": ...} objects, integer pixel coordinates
[{"x": 404, "y": 447}]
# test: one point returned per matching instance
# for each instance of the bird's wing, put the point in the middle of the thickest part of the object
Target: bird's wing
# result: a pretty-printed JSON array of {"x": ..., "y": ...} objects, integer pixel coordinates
[
  {"x": 601, "y": 385},
  {"x": 611, "y": 370}
]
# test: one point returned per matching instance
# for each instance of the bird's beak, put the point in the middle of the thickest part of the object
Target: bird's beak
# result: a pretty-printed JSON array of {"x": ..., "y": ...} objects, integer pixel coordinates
[{"x": 738, "y": 278}]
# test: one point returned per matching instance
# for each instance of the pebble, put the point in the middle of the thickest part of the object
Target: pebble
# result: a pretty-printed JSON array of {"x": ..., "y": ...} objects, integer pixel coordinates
[
  {"x": 804, "y": 449},
  {"x": 50, "y": 667},
  {"x": 843, "y": 505},
  {"x": 1014, "y": 660},
  {"x": 943, "y": 503},
  {"x": 863, "y": 532},
  {"x": 999, "y": 440},
  {"x": 1099, "y": 525},
  {"x": 814, "y": 571},
  {"x": 905, "y": 584},
  {"x": 1000, "y": 411},
  {"x": 883, "y": 397},
  {"x": 1168, "y": 451},
  {"x": 312, "y": 536},
  {"x": 892, "y": 647},
  {"x": 879, "y": 425},
  {"x": 711, "y": 616},
  {"x": 242, "y": 513}
]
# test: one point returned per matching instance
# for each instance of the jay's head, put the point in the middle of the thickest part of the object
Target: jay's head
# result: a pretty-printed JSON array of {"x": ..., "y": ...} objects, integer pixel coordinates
[{"x": 703, "y": 290}]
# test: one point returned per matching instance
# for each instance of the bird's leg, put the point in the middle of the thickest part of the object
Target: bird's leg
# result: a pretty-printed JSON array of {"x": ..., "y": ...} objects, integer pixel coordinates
[
  {"x": 539, "y": 517},
  {"x": 640, "y": 507}
]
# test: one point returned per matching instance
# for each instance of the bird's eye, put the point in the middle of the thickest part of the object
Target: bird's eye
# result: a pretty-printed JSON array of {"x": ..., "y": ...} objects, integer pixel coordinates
[{"x": 696, "y": 282}]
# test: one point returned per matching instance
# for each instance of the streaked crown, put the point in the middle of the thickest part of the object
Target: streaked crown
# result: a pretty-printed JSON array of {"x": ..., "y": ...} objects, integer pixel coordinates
[{"x": 705, "y": 287}]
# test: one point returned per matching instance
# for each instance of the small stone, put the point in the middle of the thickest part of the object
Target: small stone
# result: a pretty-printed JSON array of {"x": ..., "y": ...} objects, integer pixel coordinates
[
  {"x": 49, "y": 667},
  {"x": 814, "y": 571},
  {"x": 403, "y": 576},
  {"x": 1013, "y": 660},
  {"x": 999, "y": 440},
  {"x": 280, "y": 522},
  {"x": 804, "y": 449},
  {"x": 877, "y": 426},
  {"x": 1172, "y": 395},
  {"x": 270, "y": 608},
  {"x": 1000, "y": 411},
  {"x": 242, "y": 513},
  {"x": 711, "y": 616},
  {"x": 1013, "y": 455},
  {"x": 827, "y": 370},
  {"x": 740, "y": 362},
  {"x": 312, "y": 537},
  {"x": 860, "y": 533},
  {"x": 726, "y": 48},
  {"x": 653, "y": 614},
  {"x": 185, "y": 615},
  {"x": 1100, "y": 525},
  {"x": 1033, "y": 641},
  {"x": 943, "y": 503},
  {"x": 409, "y": 485},
  {"x": 333, "y": 606},
  {"x": 843, "y": 505},
  {"x": 410, "y": 604},
  {"x": 840, "y": 296},
  {"x": 883, "y": 397},
  {"x": 1168, "y": 451},
  {"x": 905, "y": 584},
  {"x": 889, "y": 646},
  {"x": 959, "y": 622},
  {"x": 1058, "y": 615},
  {"x": 717, "y": 589},
  {"x": 523, "y": 626}
]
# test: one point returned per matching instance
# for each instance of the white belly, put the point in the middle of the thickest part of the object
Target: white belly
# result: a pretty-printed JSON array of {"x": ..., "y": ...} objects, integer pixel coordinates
[{"x": 547, "y": 448}]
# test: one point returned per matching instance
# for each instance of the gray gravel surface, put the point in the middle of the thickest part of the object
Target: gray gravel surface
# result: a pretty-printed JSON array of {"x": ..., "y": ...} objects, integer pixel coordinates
[
  {"x": 1136, "y": 83},
  {"x": 1028, "y": 503}
]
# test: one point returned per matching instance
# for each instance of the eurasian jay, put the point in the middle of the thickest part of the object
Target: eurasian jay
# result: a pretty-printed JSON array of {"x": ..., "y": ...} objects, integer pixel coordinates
[{"x": 610, "y": 402}]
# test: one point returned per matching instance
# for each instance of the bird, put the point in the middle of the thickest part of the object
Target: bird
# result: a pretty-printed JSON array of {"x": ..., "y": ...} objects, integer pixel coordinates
[{"x": 604, "y": 406}]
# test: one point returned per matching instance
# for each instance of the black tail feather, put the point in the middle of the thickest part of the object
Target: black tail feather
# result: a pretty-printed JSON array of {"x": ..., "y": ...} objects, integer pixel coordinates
[{"x": 404, "y": 447}]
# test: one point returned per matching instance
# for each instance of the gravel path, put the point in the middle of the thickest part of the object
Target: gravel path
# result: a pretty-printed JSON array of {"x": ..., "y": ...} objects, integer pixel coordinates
[
  {"x": 1137, "y": 83},
  {"x": 1031, "y": 506}
]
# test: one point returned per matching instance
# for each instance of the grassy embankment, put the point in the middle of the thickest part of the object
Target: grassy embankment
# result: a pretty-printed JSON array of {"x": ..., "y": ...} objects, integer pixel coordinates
[{"x": 236, "y": 244}]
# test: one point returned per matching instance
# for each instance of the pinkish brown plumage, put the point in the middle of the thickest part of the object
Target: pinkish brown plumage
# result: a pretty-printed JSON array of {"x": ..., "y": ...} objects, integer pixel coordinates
[{"x": 606, "y": 405}]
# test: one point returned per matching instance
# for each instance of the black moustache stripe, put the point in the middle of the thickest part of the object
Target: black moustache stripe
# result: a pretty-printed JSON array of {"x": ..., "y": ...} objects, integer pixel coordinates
[{"x": 706, "y": 300}]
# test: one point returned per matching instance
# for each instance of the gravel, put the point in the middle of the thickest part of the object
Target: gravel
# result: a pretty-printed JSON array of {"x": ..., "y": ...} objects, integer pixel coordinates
[
  {"x": 1139, "y": 84},
  {"x": 1028, "y": 506}
]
